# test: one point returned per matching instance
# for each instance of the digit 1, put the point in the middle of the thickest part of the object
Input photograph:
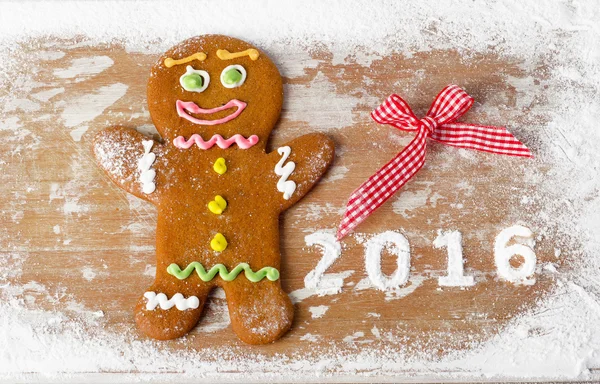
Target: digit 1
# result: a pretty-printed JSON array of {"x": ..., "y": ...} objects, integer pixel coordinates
[{"x": 452, "y": 240}]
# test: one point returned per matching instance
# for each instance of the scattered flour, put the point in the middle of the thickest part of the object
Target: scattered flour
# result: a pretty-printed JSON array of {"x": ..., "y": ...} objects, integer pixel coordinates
[
  {"x": 88, "y": 107},
  {"x": 319, "y": 311},
  {"x": 414, "y": 282},
  {"x": 48, "y": 94},
  {"x": 335, "y": 173},
  {"x": 88, "y": 273},
  {"x": 554, "y": 339},
  {"x": 150, "y": 270},
  {"x": 331, "y": 115},
  {"x": 310, "y": 337},
  {"x": 329, "y": 284},
  {"x": 85, "y": 66},
  {"x": 408, "y": 201},
  {"x": 375, "y": 332},
  {"x": 354, "y": 337}
]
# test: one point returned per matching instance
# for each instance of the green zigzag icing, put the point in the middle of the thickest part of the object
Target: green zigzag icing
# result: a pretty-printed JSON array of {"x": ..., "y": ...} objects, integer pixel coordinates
[{"x": 268, "y": 272}]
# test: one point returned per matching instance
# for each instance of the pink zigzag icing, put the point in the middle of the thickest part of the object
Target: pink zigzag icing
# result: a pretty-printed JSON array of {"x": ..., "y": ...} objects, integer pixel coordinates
[{"x": 238, "y": 139}]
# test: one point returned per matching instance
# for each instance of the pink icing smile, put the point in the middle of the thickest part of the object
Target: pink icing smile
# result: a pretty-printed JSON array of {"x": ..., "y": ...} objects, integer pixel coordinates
[{"x": 190, "y": 106}]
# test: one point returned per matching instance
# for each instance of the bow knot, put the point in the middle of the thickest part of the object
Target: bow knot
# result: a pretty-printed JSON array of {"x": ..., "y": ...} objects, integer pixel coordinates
[
  {"x": 439, "y": 125},
  {"x": 429, "y": 123}
]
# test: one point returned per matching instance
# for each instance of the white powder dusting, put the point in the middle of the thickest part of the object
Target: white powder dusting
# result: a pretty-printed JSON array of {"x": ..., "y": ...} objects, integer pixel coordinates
[
  {"x": 351, "y": 339},
  {"x": 150, "y": 270},
  {"x": 329, "y": 284},
  {"x": 88, "y": 107},
  {"x": 414, "y": 282},
  {"x": 555, "y": 339},
  {"x": 310, "y": 337},
  {"x": 408, "y": 201},
  {"x": 335, "y": 173},
  {"x": 318, "y": 311},
  {"x": 375, "y": 332},
  {"x": 84, "y": 67},
  {"x": 331, "y": 115},
  {"x": 88, "y": 273},
  {"x": 48, "y": 94}
]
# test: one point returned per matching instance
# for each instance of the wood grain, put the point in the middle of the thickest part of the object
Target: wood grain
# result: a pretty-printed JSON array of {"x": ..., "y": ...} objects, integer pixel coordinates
[{"x": 49, "y": 180}]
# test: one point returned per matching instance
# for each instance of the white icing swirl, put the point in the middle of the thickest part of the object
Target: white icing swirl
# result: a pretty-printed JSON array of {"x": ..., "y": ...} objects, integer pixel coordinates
[
  {"x": 284, "y": 185},
  {"x": 147, "y": 174},
  {"x": 178, "y": 301}
]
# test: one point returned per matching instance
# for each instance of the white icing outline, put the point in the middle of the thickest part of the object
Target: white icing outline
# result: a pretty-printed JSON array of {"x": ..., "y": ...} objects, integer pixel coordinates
[
  {"x": 373, "y": 251},
  {"x": 503, "y": 254},
  {"x": 239, "y": 68},
  {"x": 178, "y": 301},
  {"x": 147, "y": 173},
  {"x": 205, "y": 76},
  {"x": 288, "y": 187}
]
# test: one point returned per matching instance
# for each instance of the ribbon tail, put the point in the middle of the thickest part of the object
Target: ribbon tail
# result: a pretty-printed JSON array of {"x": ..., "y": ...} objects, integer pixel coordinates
[
  {"x": 484, "y": 138},
  {"x": 371, "y": 194}
]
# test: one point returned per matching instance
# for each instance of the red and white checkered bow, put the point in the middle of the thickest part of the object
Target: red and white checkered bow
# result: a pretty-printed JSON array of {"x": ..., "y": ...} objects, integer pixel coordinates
[{"x": 439, "y": 125}]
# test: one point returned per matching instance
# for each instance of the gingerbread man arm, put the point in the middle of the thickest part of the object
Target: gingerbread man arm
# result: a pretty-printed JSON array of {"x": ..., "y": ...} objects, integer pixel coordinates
[
  {"x": 118, "y": 151},
  {"x": 297, "y": 166}
]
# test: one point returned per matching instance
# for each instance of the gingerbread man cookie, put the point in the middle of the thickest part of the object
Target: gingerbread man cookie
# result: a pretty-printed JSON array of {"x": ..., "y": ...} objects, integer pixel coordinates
[{"x": 214, "y": 100}]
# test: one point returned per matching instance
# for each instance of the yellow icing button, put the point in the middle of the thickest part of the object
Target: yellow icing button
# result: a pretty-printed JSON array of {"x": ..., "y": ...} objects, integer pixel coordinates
[
  {"x": 218, "y": 205},
  {"x": 219, "y": 166},
  {"x": 218, "y": 243}
]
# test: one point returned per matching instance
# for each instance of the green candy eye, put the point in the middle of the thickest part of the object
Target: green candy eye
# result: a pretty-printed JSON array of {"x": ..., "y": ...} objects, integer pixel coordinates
[
  {"x": 194, "y": 80},
  {"x": 233, "y": 76}
]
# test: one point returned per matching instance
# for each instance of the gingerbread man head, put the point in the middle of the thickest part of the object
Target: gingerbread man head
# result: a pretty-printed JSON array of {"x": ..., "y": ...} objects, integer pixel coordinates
[{"x": 215, "y": 85}]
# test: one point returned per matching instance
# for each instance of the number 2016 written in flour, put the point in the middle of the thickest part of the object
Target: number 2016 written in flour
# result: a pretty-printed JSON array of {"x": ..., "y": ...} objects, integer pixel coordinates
[{"x": 399, "y": 246}]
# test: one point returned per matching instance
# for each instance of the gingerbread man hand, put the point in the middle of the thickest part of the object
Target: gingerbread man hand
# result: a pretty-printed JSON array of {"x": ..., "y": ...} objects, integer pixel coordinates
[{"x": 214, "y": 100}]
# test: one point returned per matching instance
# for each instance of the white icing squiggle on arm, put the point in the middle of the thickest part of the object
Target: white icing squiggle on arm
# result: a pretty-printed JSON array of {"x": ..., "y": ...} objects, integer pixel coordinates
[
  {"x": 284, "y": 185},
  {"x": 177, "y": 301},
  {"x": 147, "y": 174}
]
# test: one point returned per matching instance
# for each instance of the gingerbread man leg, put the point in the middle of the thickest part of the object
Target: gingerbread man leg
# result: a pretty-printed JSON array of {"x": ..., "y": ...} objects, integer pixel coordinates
[
  {"x": 260, "y": 312},
  {"x": 165, "y": 313}
]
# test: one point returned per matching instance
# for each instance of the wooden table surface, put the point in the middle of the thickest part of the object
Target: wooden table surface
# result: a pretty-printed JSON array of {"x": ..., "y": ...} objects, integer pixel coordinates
[{"x": 92, "y": 245}]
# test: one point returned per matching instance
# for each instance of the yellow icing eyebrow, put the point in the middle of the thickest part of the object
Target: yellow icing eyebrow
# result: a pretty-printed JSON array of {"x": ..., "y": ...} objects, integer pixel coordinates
[
  {"x": 200, "y": 56},
  {"x": 224, "y": 54}
]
